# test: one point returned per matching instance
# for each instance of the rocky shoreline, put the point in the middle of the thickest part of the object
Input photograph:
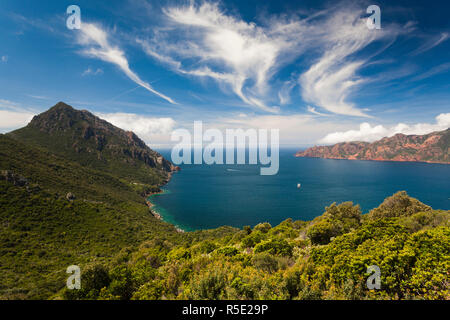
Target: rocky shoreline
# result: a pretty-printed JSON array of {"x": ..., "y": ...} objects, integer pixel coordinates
[
  {"x": 429, "y": 148},
  {"x": 151, "y": 205},
  {"x": 385, "y": 160}
]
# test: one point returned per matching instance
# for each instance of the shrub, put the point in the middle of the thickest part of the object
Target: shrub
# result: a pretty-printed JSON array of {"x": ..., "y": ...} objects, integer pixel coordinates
[
  {"x": 265, "y": 262},
  {"x": 122, "y": 283},
  {"x": 336, "y": 220},
  {"x": 398, "y": 205},
  {"x": 152, "y": 290},
  {"x": 275, "y": 247},
  {"x": 209, "y": 285},
  {"x": 322, "y": 232},
  {"x": 426, "y": 220},
  {"x": 227, "y": 251},
  {"x": 263, "y": 227},
  {"x": 179, "y": 254},
  {"x": 252, "y": 239},
  {"x": 207, "y": 247}
]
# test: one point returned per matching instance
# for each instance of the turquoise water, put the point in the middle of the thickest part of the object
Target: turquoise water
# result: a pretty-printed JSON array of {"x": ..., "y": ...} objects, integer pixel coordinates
[{"x": 209, "y": 196}]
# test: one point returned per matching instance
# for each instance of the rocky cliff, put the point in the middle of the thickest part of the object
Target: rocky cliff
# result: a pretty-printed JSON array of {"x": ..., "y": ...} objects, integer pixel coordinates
[{"x": 432, "y": 147}]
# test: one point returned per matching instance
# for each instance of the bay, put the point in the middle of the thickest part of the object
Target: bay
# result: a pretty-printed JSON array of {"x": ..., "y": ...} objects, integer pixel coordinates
[{"x": 210, "y": 196}]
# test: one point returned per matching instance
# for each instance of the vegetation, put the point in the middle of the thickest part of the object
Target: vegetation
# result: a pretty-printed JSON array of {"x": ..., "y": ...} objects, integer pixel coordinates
[{"x": 412, "y": 252}]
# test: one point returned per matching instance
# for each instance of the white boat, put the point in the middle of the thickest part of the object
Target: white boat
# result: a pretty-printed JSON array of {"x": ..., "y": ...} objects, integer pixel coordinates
[{"x": 299, "y": 185}]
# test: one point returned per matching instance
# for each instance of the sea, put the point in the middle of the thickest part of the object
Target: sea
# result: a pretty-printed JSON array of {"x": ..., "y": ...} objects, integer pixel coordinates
[{"x": 209, "y": 196}]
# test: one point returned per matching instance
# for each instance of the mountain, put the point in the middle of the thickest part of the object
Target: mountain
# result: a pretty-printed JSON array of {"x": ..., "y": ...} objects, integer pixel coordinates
[
  {"x": 432, "y": 147},
  {"x": 72, "y": 191},
  {"x": 82, "y": 137}
]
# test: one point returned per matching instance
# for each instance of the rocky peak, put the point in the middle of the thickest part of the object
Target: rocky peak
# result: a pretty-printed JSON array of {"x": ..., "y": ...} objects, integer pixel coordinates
[{"x": 84, "y": 137}]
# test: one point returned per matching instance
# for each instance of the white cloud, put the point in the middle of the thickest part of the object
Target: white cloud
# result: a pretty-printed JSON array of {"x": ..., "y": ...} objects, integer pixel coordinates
[
  {"x": 333, "y": 77},
  {"x": 13, "y": 116},
  {"x": 4, "y": 59},
  {"x": 150, "y": 129},
  {"x": 10, "y": 120},
  {"x": 430, "y": 44},
  {"x": 433, "y": 71},
  {"x": 203, "y": 41},
  {"x": 314, "y": 111},
  {"x": 240, "y": 55},
  {"x": 92, "y": 72},
  {"x": 295, "y": 130},
  {"x": 8, "y": 104},
  {"x": 369, "y": 133},
  {"x": 38, "y": 97},
  {"x": 284, "y": 95},
  {"x": 96, "y": 43}
]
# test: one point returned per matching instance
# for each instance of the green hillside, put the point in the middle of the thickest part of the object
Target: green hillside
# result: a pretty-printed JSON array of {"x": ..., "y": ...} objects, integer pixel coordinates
[{"x": 42, "y": 232}]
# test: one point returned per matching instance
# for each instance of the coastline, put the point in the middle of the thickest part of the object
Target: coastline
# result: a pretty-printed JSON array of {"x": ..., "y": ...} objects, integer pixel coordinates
[
  {"x": 150, "y": 204},
  {"x": 378, "y": 160}
]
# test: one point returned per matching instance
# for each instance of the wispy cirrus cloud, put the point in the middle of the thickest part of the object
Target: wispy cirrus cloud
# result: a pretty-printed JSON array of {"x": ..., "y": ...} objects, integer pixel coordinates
[
  {"x": 331, "y": 79},
  {"x": 431, "y": 43},
  {"x": 96, "y": 44},
  {"x": 89, "y": 71},
  {"x": 38, "y": 97},
  {"x": 284, "y": 94},
  {"x": 212, "y": 44},
  {"x": 203, "y": 41},
  {"x": 314, "y": 111},
  {"x": 433, "y": 71},
  {"x": 369, "y": 133}
]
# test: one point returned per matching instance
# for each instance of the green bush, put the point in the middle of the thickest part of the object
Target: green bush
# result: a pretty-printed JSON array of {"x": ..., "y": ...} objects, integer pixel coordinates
[
  {"x": 227, "y": 251},
  {"x": 265, "y": 262},
  {"x": 209, "y": 285},
  {"x": 322, "y": 232},
  {"x": 336, "y": 220},
  {"x": 253, "y": 239},
  {"x": 263, "y": 227},
  {"x": 398, "y": 205},
  {"x": 275, "y": 247}
]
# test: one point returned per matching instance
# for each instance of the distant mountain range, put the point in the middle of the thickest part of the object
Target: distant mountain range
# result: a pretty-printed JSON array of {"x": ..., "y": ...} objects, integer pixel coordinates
[{"x": 432, "y": 147}]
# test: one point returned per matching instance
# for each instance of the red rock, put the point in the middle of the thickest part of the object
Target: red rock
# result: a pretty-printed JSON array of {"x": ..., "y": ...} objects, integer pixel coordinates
[{"x": 432, "y": 147}]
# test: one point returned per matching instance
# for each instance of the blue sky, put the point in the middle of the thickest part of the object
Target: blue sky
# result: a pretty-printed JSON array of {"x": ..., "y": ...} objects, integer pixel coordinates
[{"x": 309, "y": 68}]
